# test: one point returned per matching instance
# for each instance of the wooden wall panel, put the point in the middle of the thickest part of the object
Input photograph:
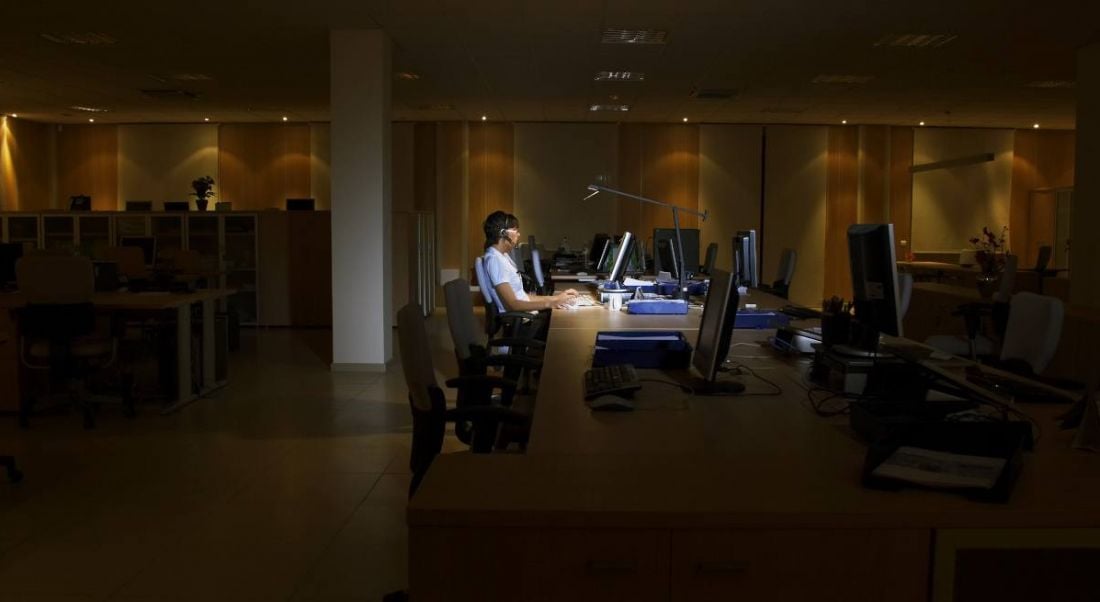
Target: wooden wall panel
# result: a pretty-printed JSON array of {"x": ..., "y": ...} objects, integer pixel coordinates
[
  {"x": 87, "y": 163},
  {"x": 491, "y": 178},
  {"x": 450, "y": 207},
  {"x": 841, "y": 207},
  {"x": 261, "y": 165},
  {"x": 1040, "y": 160},
  {"x": 661, "y": 162},
  {"x": 26, "y": 165},
  {"x": 874, "y": 155},
  {"x": 901, "y": 188}
]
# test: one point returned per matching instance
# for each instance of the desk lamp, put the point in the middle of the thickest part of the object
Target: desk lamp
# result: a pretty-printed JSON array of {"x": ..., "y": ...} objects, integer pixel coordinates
[{"x": 597, "y": 189}]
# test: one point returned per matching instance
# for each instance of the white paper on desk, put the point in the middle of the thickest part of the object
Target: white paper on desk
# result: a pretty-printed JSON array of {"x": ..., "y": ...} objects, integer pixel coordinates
[
  {"x": 940, "y": 469},
  {"x": 628, "y": 281},
  {"x": 648, "y": 337}
]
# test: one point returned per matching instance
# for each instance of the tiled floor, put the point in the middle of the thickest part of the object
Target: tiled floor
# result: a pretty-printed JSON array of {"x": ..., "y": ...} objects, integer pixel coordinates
[{"x": 289, "y": 484}]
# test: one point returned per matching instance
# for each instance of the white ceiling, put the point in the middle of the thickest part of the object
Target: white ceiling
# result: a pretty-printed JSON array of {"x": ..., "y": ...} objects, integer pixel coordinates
[{"x": 535, "y": 61}]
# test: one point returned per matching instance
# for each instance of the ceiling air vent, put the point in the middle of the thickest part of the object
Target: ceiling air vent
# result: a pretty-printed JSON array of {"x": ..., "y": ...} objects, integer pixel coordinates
[
  {"x": 1053, "y": 84},
  {"x": 713, "y": 93},
  {"x": 613, "y": 108},
  {"x": 89, "y": 38},
  {"x": 168, "y": 94},
  {"x": 916, "y": 40},
  {"x": 618, "y": 35},
  {"x": 619, "y": 76}
]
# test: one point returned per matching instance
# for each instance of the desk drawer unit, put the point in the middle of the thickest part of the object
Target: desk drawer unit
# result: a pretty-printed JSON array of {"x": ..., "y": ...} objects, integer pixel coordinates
[
  {"x": 536, "y": 565},
  {"x": 852, "y": 565}
]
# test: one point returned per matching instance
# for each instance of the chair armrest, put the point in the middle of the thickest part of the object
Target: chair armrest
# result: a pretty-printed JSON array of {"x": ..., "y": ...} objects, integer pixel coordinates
[
  {"x": 481, "y": 381},
  {"x": 516, "y": 315},
  {"x": 517, "y": 342},
  {"x": 520, "y": 361}
]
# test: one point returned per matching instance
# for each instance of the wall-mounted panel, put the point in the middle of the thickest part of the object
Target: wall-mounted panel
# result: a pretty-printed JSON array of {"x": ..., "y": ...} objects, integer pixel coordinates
[
  {"x": 794, "y": 207},
  {"x": 491, "y": 169},
  {"x": 158, "y": 162},
  {"x": 953, "y": 204},
  {"x": 87, "y": 164},
  {"x": 729, "y": 185},
  {"x": 261, "y": 165},
  {"x": 554, "y": 163}
]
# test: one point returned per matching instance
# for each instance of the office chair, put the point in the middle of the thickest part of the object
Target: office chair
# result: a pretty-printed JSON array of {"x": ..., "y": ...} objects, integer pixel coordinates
[
  {"x": 711, "y": 257},
  {"x": 495, "y": 319},
  {"x": 977, "y": 344},
  {"x": 58, "y": 330},
  {"x": 429, "y": 408},
  {"x": 1043, "y": 259},
  {"x": 781, "y": 287}
]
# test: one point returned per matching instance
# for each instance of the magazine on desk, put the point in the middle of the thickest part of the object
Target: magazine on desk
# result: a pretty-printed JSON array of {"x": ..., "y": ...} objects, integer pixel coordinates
[{"x": 940, "y": 469}]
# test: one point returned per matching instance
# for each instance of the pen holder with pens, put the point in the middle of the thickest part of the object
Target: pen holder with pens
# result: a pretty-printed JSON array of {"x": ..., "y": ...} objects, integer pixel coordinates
[{"x": 836, "y": 328}]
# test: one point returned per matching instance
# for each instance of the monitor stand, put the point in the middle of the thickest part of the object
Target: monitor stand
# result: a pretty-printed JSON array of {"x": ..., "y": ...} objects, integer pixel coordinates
[{"x": 716, "y": 388}]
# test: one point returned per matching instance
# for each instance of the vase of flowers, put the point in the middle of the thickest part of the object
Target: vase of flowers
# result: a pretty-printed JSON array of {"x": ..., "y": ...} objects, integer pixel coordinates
[
  {"x": 204, "y": 189},
  {"x": 990, "y": 250}
]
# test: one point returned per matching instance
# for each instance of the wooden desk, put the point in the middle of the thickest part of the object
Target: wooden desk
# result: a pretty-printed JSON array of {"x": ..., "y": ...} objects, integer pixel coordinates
[
  {"x": 696, "y": 498},
  {"x": 155, "y": 302}
]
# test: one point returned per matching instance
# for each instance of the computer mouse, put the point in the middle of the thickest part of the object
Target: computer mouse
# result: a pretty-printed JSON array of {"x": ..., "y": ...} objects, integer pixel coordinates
[
  {"x": 611, "y": 403},
  {"x": 582, "y": 273}
]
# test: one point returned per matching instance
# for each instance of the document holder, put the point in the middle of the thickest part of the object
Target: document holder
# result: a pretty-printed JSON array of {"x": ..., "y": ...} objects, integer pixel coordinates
[{"x": 664, "y": 349}]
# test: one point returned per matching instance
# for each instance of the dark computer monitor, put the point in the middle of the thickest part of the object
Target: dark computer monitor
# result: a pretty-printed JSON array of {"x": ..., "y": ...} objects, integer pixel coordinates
[
  {"x": 80, "y": 202},
  {"x": 715, "y": 331},
  {"x": 664, "y": 257},
  {"x": 637, "y": 258},
  {"x": 177, "y": 206},
  {"x": 9, "y": 254},
  {"x": 607, "y": 256},
  {"x": 147, "y": 244},
  {"x": 622, "y": 259},
  {"x": 746, "y": 268},
  {"x": 874, "y": 282},
  {"x": 300, "y": 204},
  {"x": 598, "y": 243},
  {"x": 139, "y": 205},
  {"x": 690, "y": 238}
]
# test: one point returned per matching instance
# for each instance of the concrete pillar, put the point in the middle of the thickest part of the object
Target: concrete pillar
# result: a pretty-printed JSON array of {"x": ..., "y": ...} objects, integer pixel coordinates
[{"x": 362, "y": 335}]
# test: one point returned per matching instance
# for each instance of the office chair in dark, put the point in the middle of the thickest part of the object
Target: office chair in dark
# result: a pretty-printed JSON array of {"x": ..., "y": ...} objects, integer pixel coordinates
[
  {"x": 58, "y": 330},
  {"x": 511, "y": 321},
  {"x": 782, "y": 285},
  {"x": 711, "y": 257},
  {"x": 1043, "y": 259},
  {"x": 483, "y": 418}
]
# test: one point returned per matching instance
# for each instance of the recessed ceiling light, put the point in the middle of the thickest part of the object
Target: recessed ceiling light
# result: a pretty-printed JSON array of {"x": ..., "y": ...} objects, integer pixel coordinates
[
  {"x": 922, "y": 124},
  {"x": 619, "y": 76},
  {"x": 284, "y": 117},
  {"x": 844, "y": 122},
  {"x": 842, "y": 79},
  {"x": 91, "y": 120},
  {"x": 81, "y": 39},
  {"x": 88, "y": 109},
  {"x": 600, "y": 107},
  {"x": 16, "y": 115},
  {"x": 916, "y": 40},
  {"x": 685, "y": 119},
  {"x": 484, "y": 117},
  {"x": 618, "y": 35},
  {"x": 406, "y": 75},
  {"x": 1036, "y": 126},
  {"x": 206, "y": 119}
]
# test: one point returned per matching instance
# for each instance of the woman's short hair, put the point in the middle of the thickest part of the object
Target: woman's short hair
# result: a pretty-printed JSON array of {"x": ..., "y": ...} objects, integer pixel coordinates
[{"x": 496, "y": 224}]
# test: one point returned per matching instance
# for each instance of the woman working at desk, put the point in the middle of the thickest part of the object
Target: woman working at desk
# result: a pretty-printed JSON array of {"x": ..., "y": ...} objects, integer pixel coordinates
[{"x": 501, "y": 236}]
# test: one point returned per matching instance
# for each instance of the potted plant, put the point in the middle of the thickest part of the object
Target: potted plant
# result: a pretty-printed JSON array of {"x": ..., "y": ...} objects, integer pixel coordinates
[
  {"x": 204, "y": 189},
  {"x": 989, "y": 253}
]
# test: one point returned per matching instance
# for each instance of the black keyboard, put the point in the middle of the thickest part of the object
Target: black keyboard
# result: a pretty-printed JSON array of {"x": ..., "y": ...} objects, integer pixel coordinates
[
  {"x": 801, "y": 313},
  {"x": 618, "y": 379}
]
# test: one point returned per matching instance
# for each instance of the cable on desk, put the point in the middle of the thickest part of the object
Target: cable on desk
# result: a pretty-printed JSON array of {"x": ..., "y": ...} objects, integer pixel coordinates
[
  {"x": 688, "y": 391},
  {"x": 739, "y": 368}
]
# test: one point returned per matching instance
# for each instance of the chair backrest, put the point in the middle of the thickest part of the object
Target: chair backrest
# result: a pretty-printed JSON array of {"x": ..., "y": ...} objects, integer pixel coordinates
[
  {"x": 787, "y": 262},
  {"x": 55, "y": 280},
  {"x": 425, "y": 397},
  {"x": 536, "y": 266},
  {"x": 905, "y": 292},
  {"x": 130, "y": 260},
  {"x": 711, "y": 257},
  {"x": 486, "y": 287},
  {"x": 1008, "y": 279},
  {"x": 460, "y": 317},
  {"x": 1034, "y": 329},
  {"x": 1043, "y": 259}
]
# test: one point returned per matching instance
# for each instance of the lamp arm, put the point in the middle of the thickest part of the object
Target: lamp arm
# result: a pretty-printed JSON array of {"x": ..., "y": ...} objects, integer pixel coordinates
[{"x": 598, "y": 188}]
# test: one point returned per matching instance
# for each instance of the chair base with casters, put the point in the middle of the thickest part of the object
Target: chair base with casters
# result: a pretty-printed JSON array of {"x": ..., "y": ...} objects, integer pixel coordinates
[{"x": 14, "y": 474}]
